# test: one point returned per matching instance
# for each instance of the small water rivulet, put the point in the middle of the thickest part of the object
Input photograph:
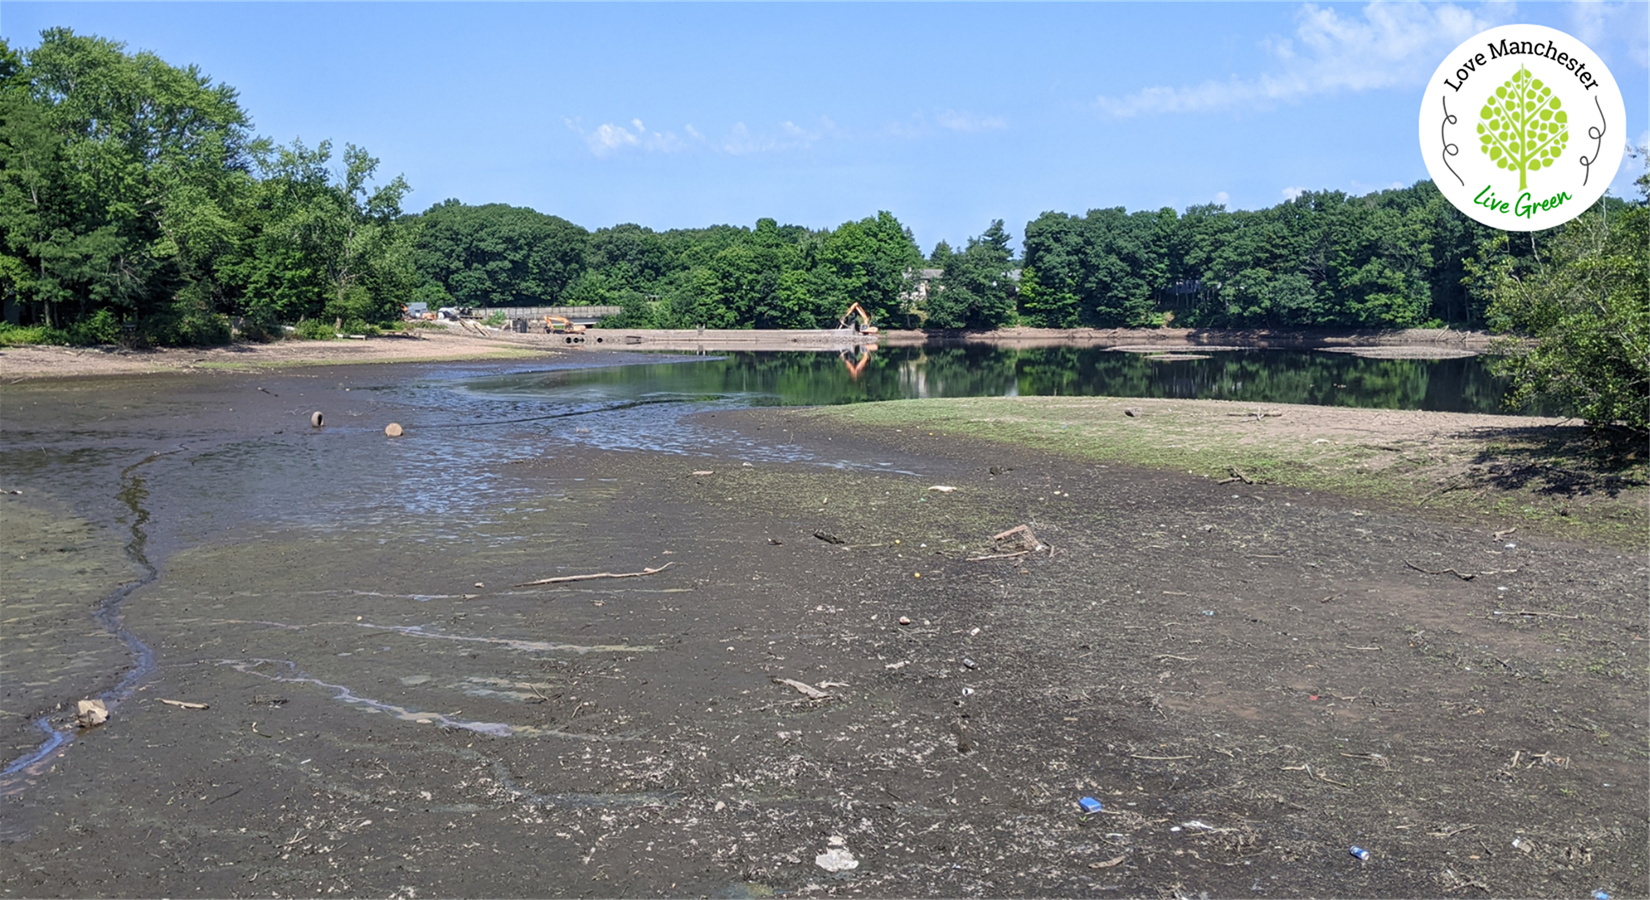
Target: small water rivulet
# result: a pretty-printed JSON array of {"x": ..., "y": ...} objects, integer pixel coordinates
[{"x": 132, "y": 495}]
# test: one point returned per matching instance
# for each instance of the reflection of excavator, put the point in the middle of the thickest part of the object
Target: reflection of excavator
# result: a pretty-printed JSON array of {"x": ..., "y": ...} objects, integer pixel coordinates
[
  {"x": 863, "y": 326},
  {"x": 856, "y": 366},
  {"x": 560, "y": 324}
]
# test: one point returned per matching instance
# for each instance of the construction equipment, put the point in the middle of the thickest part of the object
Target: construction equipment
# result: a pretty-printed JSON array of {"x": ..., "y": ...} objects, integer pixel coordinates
[
  {"x": 562, "y": 324},
  {"x": 863, "y": 326},
  {"x": 856, "y": 367}
]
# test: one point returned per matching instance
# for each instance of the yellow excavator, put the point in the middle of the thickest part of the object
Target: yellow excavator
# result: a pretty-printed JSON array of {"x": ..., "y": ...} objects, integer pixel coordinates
[
  {"x": 863, "y": 326},
  {"x": 561, "y": 324}
]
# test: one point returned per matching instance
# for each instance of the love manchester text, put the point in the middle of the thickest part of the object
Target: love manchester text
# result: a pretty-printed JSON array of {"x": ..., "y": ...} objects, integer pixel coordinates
[
  {"x": 1504, "y": 47},
  {"x": 1523, "y": 207}
]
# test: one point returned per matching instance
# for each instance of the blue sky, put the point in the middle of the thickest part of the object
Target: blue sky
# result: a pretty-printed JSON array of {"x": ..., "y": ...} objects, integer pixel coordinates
[{"x": 948, "y": 115}]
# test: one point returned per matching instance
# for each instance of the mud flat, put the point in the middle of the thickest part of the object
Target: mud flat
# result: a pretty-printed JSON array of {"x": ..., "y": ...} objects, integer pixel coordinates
[{"x": 1251, "y": 677}]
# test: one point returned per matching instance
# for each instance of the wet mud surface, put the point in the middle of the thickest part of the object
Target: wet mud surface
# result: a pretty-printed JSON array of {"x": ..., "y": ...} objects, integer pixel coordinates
[{"x": 1250, "y": 679}]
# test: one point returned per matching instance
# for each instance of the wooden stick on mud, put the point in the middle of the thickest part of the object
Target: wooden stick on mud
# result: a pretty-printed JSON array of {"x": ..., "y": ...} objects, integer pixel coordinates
[
  {"x": 1157, "y": 758},
  {"x": 566, "y": 578},
  {"x": 998, "y": 556},
  {"x": 1466, "y": 577},
  {"x": 1531, "y": 612}
]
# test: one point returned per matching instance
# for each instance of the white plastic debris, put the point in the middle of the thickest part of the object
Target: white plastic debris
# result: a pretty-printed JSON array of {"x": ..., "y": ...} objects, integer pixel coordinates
[{"x": 837, "y": 858}]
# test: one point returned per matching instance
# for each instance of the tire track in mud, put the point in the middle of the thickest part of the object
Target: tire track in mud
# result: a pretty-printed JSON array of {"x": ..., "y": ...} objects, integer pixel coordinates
[{"x": 19, "y": 773}]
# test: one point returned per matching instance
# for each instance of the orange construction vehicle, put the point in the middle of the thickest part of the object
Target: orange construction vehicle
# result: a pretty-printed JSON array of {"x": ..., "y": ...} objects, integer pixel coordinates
[
  {"x": 560, "y": 324},
  {"x": 863, "y": 326}
]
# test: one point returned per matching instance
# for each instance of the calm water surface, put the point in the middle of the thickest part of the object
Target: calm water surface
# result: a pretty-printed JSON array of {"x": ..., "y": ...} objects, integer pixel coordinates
[{"x": 791, "y": 379}]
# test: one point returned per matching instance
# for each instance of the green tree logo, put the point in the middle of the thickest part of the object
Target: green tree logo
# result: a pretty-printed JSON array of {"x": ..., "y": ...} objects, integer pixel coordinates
[{"x": 1522, "y": 126}]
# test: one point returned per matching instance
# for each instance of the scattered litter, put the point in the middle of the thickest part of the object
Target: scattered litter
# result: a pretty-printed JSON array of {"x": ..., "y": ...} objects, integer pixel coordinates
[
  {"x": 747, "y": 465},
  {"x": 826, "y": 685},
  {"x": 836, "y": 859},
  {"x": 315, "y": 419},
  {"x": 1200, "y": 825},
  {"x": 1174, "y": 827},
  {"x": 392, "y": 430},
  {"x": 969, "y": 663},
  {"x": 776, "y": 542},
  {"x": 1131, "y": 412},
  {"x": 1090, "y": 805},
  {"x": 829, "y": 538},
  {"x": 703, "y": 472},
  {"x": 184, "y": 704},
  {"x": 565, "y": 578},
  {"x": 968, "y": 692},
  {"x": 942, "y": 488},
  {"x": 1208, "y": 612},
  {"x": 1601, "y": 895},
  {"x": 91, "y": 712},
  {"x": 899, "y": 665},
  {"x": 1359, "y": 852},
  {"x": 1017, "y": 541},
  {"x": 904, "y": 620},
  {"x": 809, "y": 690}
]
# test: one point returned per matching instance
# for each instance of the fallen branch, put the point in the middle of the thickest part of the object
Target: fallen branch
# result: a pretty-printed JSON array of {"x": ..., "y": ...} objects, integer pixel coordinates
[
  {"x": 1467, "y": 577},
  {"x": 1548, "y": 615},
  {"x": 566, "y": 578},
  {"x": 1158, "y": 758},
  {"x": 1350, "y": 647},
  {"x": 185, "y": 704},
  {"x": 809, "y": 690},
  {"x": 1236, "y": 476},
  {"x": 999, "y": 556}
]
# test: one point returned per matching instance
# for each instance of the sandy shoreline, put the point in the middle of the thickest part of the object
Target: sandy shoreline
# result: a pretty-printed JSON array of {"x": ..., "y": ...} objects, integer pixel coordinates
[{"x": 35, "y": 363}]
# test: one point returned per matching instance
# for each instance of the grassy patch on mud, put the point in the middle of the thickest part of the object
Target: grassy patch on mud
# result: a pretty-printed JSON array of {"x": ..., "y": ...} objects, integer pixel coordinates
[{"x": 1529, "y": 473}]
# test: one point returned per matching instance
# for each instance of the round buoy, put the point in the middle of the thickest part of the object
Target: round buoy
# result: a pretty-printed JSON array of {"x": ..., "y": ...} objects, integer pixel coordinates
[
  {"x": 393, "y": 429},
  {"x": 315, "y": 419}
]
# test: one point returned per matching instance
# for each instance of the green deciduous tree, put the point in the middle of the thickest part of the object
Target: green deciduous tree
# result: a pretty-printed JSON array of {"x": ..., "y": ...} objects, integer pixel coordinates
[
  {"x": 1580, "y": 304},
  {"x": 499, "y": 255}
]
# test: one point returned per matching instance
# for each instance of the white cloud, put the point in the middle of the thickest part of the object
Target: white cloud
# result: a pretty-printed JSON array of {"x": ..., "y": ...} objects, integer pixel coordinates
[
  {"x": 608, "y": 138},
  {"x": 1601, "y": 25},
  {"x": 1387, "y": 45},
  {"x": 1290, "y": 193},
  {"x": 1223, "y": 198},
  {"x": 967, "y": 121},
  {"x": 790, "y": 136}
]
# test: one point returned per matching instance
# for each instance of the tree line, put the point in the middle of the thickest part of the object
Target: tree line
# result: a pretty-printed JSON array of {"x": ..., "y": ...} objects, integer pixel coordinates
[{"x": 136, "y": 203}]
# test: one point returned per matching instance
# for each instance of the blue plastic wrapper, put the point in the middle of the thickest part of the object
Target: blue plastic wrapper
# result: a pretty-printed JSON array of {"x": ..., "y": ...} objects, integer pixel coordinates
[{"x": 1090, "y": 805}]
